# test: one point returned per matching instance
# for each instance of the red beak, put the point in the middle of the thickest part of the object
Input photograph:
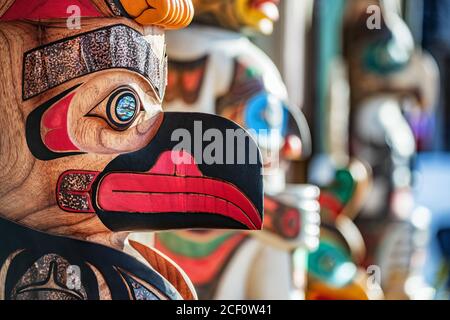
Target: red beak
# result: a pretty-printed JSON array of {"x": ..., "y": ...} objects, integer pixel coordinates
[
  {"x": 170, "y": 187},
  {"x": 166, "y": 188}
]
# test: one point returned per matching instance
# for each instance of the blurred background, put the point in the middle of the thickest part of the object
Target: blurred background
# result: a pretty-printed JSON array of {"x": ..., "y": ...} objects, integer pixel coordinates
[
  {"x": 310, "y": 47},
  {"x": 352, "y": 98}
]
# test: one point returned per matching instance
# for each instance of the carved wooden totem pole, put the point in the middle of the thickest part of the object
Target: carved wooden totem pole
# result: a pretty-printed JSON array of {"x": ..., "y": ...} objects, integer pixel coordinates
[
  {"x": 335, "y": 268},
  {"x": 88, "y": 155},
  {"x": 388, "y": 76},
  {"x": 214, "y": 68}
]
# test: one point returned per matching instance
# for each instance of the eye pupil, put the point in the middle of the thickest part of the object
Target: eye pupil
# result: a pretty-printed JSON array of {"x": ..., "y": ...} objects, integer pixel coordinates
[{"x": 126, "y": 107}]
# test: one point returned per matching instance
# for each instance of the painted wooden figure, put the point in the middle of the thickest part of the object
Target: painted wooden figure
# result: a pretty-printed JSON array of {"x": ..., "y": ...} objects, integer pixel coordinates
[
  {"x": 214, "y": 68},
  {"x": 88, "y": 155},
  {"x": 388, "y": 77}
]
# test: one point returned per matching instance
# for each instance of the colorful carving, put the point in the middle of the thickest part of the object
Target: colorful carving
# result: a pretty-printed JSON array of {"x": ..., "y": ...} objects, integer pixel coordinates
[
  {"x": 334, "y": 268},
  {"x": 211, "y": 258},
  {"x": 258, "y": 15},
  {"x": 87, "y": 154},
  {"x": 388, "y": 77},
  {"x": 220, "y": 71}
]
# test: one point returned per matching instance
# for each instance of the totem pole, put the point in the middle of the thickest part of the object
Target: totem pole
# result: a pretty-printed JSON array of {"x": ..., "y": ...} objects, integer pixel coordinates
[
  {"x": 214, "y": 68},
  {"x": 88, "y": 155},
  {"x": 335, "y": 271},
  {"x": 388, "y": 77}
]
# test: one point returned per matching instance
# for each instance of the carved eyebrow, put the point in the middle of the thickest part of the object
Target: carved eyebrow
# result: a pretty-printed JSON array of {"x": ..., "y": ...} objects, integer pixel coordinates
[{"x": 117, "y": 46}]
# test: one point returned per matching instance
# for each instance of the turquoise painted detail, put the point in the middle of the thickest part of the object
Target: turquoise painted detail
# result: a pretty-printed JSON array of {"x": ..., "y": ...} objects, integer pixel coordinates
[
  {"x": 386, "y": 56},
  {"x": 331, "y": 265}
]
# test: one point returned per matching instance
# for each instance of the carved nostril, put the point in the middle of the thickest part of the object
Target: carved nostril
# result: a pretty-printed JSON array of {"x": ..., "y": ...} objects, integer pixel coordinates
[{"x": 73, "y": 191}]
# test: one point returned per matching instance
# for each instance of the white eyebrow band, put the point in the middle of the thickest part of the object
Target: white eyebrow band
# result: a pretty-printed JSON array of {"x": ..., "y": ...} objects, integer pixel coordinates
[{"x": 56, "y": 63}]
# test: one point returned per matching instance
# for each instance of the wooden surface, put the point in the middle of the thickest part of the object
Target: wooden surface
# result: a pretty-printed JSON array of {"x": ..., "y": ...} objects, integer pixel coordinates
[{"x": 28, "y": 185}]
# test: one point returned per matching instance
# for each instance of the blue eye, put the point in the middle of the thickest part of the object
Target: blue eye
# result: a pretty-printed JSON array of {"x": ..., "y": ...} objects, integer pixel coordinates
[
  {"x": 126, "y": 107},
  {"x": 122, "y": 108}
]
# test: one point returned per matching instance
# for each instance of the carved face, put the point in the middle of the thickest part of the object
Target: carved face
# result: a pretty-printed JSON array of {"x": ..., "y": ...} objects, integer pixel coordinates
[
  {"x": 258, "y": 15},
  {"x": 85, "y": 147}
]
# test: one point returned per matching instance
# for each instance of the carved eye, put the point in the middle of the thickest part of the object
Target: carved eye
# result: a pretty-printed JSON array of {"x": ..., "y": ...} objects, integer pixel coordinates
[{"x": 122, "y": 107}]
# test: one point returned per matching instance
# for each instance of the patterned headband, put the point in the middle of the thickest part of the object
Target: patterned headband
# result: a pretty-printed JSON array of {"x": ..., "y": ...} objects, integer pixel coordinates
[
  {"x": 117, "y": 46},
  {"x": 168, "y": 14}
]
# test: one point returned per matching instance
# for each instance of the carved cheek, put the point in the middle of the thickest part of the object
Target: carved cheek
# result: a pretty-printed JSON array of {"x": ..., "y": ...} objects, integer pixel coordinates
[
  {"x": 54, "y": 127},
  {"x": 95, "y": 136}
]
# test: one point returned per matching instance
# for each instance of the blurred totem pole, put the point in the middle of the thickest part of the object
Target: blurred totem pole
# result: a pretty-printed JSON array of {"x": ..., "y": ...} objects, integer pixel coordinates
[
  {"x": 389, "y": 78},
  {"x": 215, "y": 68},
  {"x": 336, "y": 269}
]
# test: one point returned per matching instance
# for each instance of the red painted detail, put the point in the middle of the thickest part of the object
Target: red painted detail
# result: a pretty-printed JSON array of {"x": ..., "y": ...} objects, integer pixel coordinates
[
  {"x": 170, "y": 187},
  {"x": 85, "y": 192},
  {"x": 176, "y": 163},
  {"x": 290, "y": 222},
  {"x": 172, "y": 78},
  {"x": 281, "y": 219},
  {"x": 331, "y": 203},
  {"x": 270, "y": 204},
  {"x": 55, "y": 121},
  {"x": 192, "y": 79},
  {"x": 48, "y": 9},
  {"x": 270, "y": 207},
  {"x": 292, "y": 147},
  {"x": 258, "y": 3},
  {"x": 205, "y": 270}
]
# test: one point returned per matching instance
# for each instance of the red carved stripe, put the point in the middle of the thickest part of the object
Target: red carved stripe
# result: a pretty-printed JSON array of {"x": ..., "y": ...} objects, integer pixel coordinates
[
  {"x": 166, "y": 166},
  {"x": 55, "y": 121},
  {"x": 48, "y": 9},
  {"x": 331, "y": 203},
  {"x": 162, "y": 191},
  {"x": 290, "y": 222},
  {"x": 192, "y": 79},
  {"x": 204, "y": 270}
]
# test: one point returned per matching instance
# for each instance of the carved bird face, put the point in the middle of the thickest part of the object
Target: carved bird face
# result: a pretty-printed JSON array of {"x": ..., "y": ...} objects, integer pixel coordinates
[
  {"x": 86, "y": 148},
  {"x": 259, "y": 15}
]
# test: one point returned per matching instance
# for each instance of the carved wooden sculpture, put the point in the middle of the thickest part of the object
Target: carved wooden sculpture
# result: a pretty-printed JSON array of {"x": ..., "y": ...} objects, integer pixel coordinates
[
  {"x": 334, "y": 268},
  {"x": 256, "y": 15},
  {"x": 218, "y": 70},
  {"x": 87, "y": 154},
  {"x": 386, "y": 74}
]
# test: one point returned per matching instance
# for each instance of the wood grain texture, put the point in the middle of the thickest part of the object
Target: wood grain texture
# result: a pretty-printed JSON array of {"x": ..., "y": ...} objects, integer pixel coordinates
[
  {"x": 5, "y": 5},
  {"x": 168, "y": 269},
  {"x": 27, "y": 191}
]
